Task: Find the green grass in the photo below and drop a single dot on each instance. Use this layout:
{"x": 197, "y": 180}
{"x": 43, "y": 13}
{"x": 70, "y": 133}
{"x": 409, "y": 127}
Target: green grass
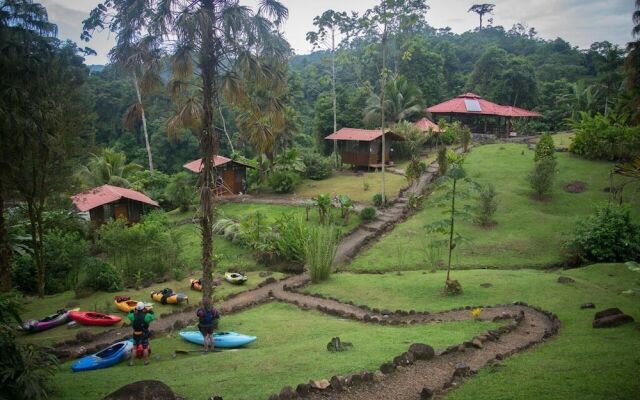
{"x": 581, "y": 362}
{"x": 291, "y": 348}
{"x": 353, "y": 186}
{"x": 103, "y": 302}
{"x": 529, "y": 233}
{"x": 562, "y": 140}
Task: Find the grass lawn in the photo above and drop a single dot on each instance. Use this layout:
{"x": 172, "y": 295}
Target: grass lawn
{"x": 103, "y": 302}
{"x": 529, "y": 233}
{"x": 352, "y": 185}
{"x": 562, "y": 140}
{"x": 581, "y": 362}
{"x": 291, "y": 348}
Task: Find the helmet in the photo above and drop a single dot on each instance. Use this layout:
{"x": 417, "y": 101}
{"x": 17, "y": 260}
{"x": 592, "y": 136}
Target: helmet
{"x": 140, "y": 306}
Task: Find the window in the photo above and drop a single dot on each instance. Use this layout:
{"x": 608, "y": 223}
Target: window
{"x": 472, "y": 105}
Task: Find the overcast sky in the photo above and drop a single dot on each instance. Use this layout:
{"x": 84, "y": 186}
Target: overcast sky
{"x": 581, "y": 22}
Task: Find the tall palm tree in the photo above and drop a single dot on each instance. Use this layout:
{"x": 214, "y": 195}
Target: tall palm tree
{"x": 402, "y": 100}
{"x": 218, "y": 46}
{"x": 632, "y": 66}
{"x": 481, "y": 10}
{"x": 108, "y": 167}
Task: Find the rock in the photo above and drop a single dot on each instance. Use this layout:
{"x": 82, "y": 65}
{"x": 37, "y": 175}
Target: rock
{"x": 367, "y": 318}
{"x": 270, "y": 280}
{"x": 426, "y": 393}
{"x": 607, "y": 313}
{"x": 404, "y": 359}
{"x": 462, "y": 370}
{"x": 452, "y": 287}
{"x": 303, "y": 389}
{"x": 143, "y": 390}
{"x": 387, "y": 368}
{"x": 366, "y": 376}
{"x": 320, "y": 384}
{"x": 612, "y": 321}
{"x": 216, "y": 397}
{"x": 421, "y": 351}
{"x": 485, "y": 285}
{"x": 337, "y": 383}
{"x": 84, "y": 336}
{"x": 587, "y": 305}
{"x": 378, "y": 376}
{"x": 476, "y": 343}
{"x": 565, "y": 280}
{"x": 287, "y": 393}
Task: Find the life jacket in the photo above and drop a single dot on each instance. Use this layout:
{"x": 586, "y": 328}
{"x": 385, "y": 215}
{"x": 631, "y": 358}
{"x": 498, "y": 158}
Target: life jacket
{"x": 208, "y": 316}
{"x": 166, "y": 293}
{"x": 140, "y": 327}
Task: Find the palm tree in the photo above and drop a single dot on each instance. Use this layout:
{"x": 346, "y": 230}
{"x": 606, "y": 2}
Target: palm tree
{"x": 632, "y": 66}
{"x": 402, "y": 100}
{"x": 218, "y": 46}
{"x": 109, "y": 167}
{"x": 481, "y": 10}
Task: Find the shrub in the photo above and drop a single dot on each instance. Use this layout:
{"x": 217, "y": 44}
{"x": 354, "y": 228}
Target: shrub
{"x": 323, "y": 202}
{"x": 463, "y": 134}
{"x": 101, "y": 276}
{"x": 153, "y": 183}
{"x": 346, "y": 204}
{"x": 545, "y": 147}
{"x": 443, "y": 161}
{"x": 255, "y": 231}
{"x": 368, "y": 213}
{"x": 283, "y": 181}
{"x": 320, "y": 250}
{"x": 377, "y": 199}
{"x": 290, "y": 237}
{"x": 487, "y": 205}
{"x": 605, "y": 138}
{"x": 541, "y": 178}
{"x": 608, "y": 236}
{"x": 181, "y": 190}
{"x": 415, "y": 169}
{"x": 64, "y": 255}
{"x": 317, "y": 166}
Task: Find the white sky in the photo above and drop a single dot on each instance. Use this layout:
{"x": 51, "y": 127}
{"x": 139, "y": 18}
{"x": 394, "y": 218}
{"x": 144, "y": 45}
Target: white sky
{"x": 581, "y": 22}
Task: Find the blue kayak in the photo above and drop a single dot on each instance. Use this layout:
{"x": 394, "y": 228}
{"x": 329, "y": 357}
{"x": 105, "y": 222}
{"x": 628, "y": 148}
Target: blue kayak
{"x": 227, "y": 340}
{"x": 104, "y": 358}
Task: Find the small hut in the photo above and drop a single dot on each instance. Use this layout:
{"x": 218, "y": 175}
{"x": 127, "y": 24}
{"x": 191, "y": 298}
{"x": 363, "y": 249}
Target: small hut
{"x": 426, "y": 125}
{"x": 363, "y": 147}
{"x": 231, "y": 174}
{"x": 480, "y": 115}
{"x": 111, "y": 202}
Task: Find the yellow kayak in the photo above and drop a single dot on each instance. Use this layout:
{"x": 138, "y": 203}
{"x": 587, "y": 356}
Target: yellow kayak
{"x": 166, "y": 296}
{"x": 235, "y": 278}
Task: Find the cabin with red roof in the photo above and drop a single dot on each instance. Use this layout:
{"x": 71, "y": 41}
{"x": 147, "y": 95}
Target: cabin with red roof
{"x": 480, "y": 115}
{"x": 108, "y": 202}
{"x": 363, "y": 147}
{"x": 231, "y": 175}
{"x": 426, "y": 125}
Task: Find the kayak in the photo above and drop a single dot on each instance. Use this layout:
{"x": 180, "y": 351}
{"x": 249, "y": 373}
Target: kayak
{"x": 167, "y": 296}
{"x": 50, "y": 321}
{"x": 94, "y": 318}
{"x": 235, "y": 278}
{"x": 128, "y": 305}
{"x": 105, "y": 358}
{"x": 196, "y": 285}
{"x": 227, "y": 340}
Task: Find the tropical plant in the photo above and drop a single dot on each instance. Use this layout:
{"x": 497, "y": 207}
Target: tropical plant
{"x": 229, "y": 228}
{"x": 631, "y": 171}
{"x": 289, "y": 161}
{"x": 443, "y": 161}
{"x": 283, "y": 181}
{"x": 378, "y": 200}
{"x": 402, "y": 100}
{"x": 255, "y": 231}
{"x": 290, "y": 238}
{"x": 323, "y": 202}
{"x": 481, "y": 10}
{"x": 108, "y": 167}
{"x": 100, "y": 275}
{"x": 317, "y": 167}
{"x": 605, "y": 137}
{"x": 545, "y": 148}
{"x": 542, "y": 176}
{"x": 231, "y": 51}
{"x": 181, "y": 190}
{"x": 320, "y": 251}
{"x": 415, "y": 169}
{"x": 346, "y": 204}
{"x": 487, "y": 205}
{"x": 367, "y": 213}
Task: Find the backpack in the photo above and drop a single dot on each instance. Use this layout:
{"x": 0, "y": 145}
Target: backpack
{"x": 139, "y": 325}
{"x": 208, "y": 317}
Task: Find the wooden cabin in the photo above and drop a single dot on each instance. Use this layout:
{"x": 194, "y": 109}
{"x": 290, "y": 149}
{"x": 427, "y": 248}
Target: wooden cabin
{"x": 108, "y": 202}
{"x": 363, "y": 147}
{"x": 231, "y": 174}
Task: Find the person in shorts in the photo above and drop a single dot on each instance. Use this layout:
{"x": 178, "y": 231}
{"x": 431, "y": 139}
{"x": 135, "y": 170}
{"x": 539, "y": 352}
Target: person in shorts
{"x": 208, "y": 318}
{"x": 140, "y": 318}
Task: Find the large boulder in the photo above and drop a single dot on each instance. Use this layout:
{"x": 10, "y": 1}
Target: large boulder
{"x": 421, "y": 351}
{"x": 143, "y": 390}
{"x": 612, "y": 321}
{"x": 608, "y": 312}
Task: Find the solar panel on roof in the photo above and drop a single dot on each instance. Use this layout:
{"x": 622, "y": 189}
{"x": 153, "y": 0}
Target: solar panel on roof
{"x": 472, "y": 105}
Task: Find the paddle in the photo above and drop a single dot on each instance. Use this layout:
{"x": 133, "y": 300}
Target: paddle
{"x": 215, "y": 350}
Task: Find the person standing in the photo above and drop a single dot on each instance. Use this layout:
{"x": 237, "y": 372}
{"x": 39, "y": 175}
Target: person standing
{"x": 140, "y": 318}
{"x": 208, "y": 318}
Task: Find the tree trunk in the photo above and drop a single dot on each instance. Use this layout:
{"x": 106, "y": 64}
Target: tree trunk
{"x": 333, "y": 92}
{"x": 144, "y": 121}
{"x": 480, "y": 22}
{"x": 453, "y": 212}
{"x": 224, "y": 127}
{"x": 208, "y": 147}
{"x": 5, "y": 249}
{"x": 37, "y": 247}
{"x": 382, "y": 97}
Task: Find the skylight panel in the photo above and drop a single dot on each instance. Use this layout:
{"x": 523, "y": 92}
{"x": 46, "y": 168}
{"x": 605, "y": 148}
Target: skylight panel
{"x": 472, "y": 105}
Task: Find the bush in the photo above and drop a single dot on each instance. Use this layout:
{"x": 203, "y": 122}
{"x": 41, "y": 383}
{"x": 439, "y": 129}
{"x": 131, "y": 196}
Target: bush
{"x": 545, "y": 147}
{"x": 317, "y": 166}
{"x": 180, "y": 190}
{"x": 415, "y": 169}
{"x": 283, "y": 181}
{"x": 378, "y": 200}
{"x": 604, "y": 138}
{"x": 368, "y": 213}
{"x": 443, "y": 161}
{"x": 541, "y": 178}
{"x": 320, "y": 250}
{"x": 290, "y": 237}
{"x": 487, "y": 205}
{"x": 608, "y": 236}
{"x": 153, "y": 183}
{"x": 101, "y": 276}
{"x": 64, "y": 255}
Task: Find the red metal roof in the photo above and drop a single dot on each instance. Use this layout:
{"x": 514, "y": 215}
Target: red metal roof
{"x": 425, "y": 124}
{"x": 471, "y": 103}
{"x": 105, "y": 194}
{"x": 364, "y": 135}
{"x": 196, "y": 165}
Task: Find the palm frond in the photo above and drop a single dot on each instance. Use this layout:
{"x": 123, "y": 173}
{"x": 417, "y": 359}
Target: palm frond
{"x": 132, "y": 116}
{"x": 274, "y": 10}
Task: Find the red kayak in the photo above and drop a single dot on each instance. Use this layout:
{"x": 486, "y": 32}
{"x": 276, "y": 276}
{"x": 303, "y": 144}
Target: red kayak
{"x": 93, "y": 318}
